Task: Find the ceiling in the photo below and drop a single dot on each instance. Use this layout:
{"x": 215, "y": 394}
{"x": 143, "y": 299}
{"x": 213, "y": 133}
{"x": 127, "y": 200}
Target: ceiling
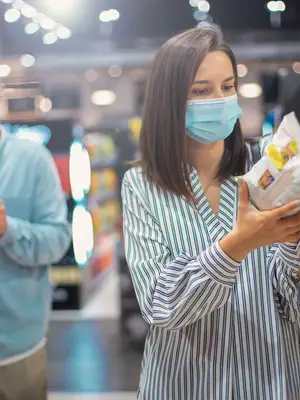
{"x": 140, "y": 20}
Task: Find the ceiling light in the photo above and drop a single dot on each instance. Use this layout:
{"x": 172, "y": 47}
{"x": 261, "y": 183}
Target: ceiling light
{"x": 204, "y": 6}
{"x": 28, "y": 11}
{"x": 63, "y": 32}
{"x": 103, "y": 97}
{"x": 5, "y": 70}
{"x": 45, "y": 105}
{"x": 18, "y": 4}
{"x": 27, "y": 60}
{"x": 38, "y": 17}
{"x": 82, "y": 234}
{"x": 31, "y": 28}
{"x": 60, "y": 6}
{"x": 50, "y": 38}
{"x": 250, "y": 90}
{"x": 296, "y": 67}
{"x": 114, "y": 14}
{"x": 12, "y": 15}
{"x": 47, "y": 23}
{"x": 242, "y": 70}
{"x": 276, "y": 6}
{"x": 115, "y": 71}
{"x": 91, "y": 75}
{"x": 7, "y": 1}
{"x": 281, "y": 7}
{"x": 272, "y": 6}
{"x": 109, "y": 15}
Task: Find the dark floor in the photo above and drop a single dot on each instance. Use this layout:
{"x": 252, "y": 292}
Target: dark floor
{"x": 91, "y": 356}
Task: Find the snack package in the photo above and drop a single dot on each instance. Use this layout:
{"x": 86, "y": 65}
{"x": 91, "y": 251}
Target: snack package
{"x": 275, "y": 179}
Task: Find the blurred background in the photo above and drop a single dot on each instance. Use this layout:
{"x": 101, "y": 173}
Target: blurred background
{"x": 74, "y": 75}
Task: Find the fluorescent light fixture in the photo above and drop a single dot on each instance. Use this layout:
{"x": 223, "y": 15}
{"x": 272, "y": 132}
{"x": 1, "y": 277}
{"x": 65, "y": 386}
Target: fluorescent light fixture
{"x": 276, "y": 6}
{"x": 115, "y": 71}
{"x": 50, "y": 38}
{"x": 12, "y": 15}
{"x": 203, "y": 6}
{"x": 83, "y": 235}
{"x": 60, "y": 7}
{"x": 80, "y": 171}
{"x": 103, "y": 97}
{"x": 31, "y": 28}
{"x": 109, "y": 15}
{"x": 27, "y": 60}
{"x": 47, "y": 23}
{"x": 5, "y": 70}
{"x": 250, "y": 90}
{"x": 242, "y": 70}
{"x": 18, "y": 4}
{"x": 45, "y": 105}
{"x": 28, "y": 11}
{"x": 63, "y": 32}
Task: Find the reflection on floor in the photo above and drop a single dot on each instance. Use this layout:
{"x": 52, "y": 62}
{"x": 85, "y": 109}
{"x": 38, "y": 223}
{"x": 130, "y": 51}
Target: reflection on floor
{"x": 88, "y": 358}
{"x": 91, "y": 357}
{"x": 112, "y": 396}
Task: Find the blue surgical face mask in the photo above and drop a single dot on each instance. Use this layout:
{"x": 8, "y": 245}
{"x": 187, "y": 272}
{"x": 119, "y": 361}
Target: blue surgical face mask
{"x": 210, "y": 121}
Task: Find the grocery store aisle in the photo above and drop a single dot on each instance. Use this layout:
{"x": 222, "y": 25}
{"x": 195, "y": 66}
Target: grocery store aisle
{"x": 88, "y": 358}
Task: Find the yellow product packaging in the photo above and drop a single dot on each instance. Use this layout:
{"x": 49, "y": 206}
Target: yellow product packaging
{"x": 275, "y": 179}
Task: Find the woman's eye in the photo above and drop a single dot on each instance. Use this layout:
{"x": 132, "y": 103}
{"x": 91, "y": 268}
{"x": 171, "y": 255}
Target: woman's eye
{"x": 228, "y": 88}
{"x": 199, "y": 92}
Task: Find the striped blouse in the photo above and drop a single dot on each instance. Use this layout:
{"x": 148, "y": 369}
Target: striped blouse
{"x": 219, "y": 330}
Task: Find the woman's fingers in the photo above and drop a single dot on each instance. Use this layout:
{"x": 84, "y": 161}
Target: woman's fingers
{"x": 243, "y": 195}
{"x": 294, "y": 238}
{"x": 283, "y": 211}
{"x": 291, "y": 224}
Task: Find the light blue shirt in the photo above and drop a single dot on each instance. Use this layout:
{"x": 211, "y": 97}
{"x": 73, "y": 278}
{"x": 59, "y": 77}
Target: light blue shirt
{"x": 38, "y": 234}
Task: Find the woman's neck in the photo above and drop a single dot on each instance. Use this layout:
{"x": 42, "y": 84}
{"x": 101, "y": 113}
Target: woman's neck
{"x": 205, "y": 157}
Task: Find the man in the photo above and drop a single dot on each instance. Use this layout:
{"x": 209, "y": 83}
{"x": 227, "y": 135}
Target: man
{"x": 33, "y": 234}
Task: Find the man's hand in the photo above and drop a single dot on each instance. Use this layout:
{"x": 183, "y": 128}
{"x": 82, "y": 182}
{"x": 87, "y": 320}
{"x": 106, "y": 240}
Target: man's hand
{"x": 3, "y": 219}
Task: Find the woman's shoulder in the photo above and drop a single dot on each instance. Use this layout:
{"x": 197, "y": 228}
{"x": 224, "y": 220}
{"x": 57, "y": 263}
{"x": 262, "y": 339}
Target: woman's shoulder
{"x": 133, "y": 177}
{"x": 135, "y": 183}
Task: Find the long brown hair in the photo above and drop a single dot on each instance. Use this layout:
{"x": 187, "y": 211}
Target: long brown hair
{"x": 163, "y": 141}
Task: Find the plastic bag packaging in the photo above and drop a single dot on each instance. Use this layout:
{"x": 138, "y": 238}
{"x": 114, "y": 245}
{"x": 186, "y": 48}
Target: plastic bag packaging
{"x": 275, "y": 179}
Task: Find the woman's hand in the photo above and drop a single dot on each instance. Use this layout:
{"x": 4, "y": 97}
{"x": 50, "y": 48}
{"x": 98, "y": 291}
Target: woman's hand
{"x": 256, "y": 229}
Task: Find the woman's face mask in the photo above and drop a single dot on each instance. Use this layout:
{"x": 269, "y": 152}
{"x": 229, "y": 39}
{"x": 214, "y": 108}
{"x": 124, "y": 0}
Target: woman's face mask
{"x": 210, "y": 121}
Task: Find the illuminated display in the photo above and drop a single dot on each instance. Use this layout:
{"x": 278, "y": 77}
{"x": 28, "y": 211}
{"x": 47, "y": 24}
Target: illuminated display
{"x": 83, "y": 235}
{"x": 80, "y": 171}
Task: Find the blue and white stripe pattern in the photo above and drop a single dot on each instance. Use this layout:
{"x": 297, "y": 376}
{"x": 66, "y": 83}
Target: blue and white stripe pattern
{"x": 219, "y": 330}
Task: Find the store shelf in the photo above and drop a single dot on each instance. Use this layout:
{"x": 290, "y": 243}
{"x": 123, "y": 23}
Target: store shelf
{"x": 100, "y": 164}
{"x": 102, "y": 198}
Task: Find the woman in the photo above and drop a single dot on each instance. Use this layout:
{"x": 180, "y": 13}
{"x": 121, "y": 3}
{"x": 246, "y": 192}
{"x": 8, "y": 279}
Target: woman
{"x": 222, "y": 299}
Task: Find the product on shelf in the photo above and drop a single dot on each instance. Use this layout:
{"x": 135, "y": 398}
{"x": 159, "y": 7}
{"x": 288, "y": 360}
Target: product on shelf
{"x": 101, "y": 148}
{"x": 103, "y": 203}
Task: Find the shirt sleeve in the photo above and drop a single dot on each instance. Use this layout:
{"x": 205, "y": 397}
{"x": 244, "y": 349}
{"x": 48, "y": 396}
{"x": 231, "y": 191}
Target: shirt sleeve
{"x": 284, "y": 263}
{"x": 172, "y": 292}
{"x": 46, "y": 238}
